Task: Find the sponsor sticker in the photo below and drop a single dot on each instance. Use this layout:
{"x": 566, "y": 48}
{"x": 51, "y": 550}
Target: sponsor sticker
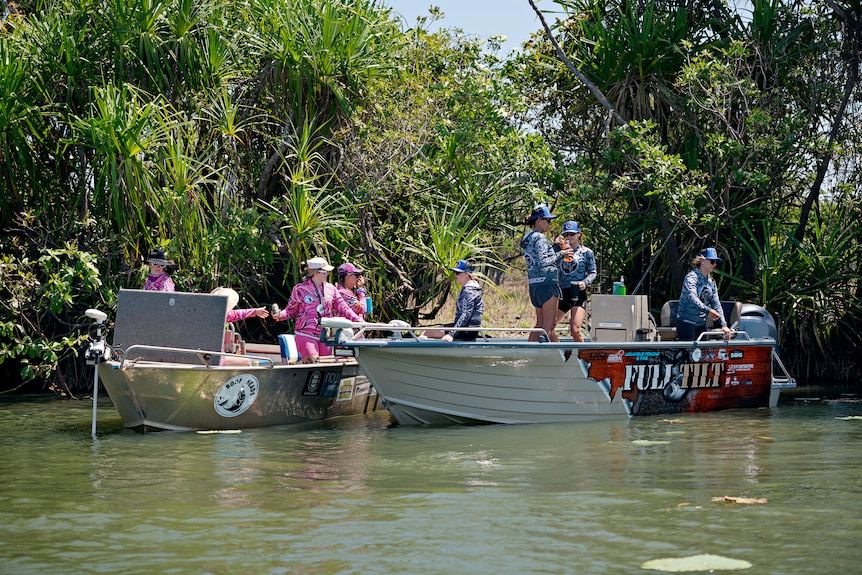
{"x": 236, "y": 395}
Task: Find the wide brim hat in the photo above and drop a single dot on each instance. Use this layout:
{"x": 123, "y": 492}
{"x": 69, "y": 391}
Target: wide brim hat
{"x": 319, "y": 264}
{"x": 462, "y": 266}
{"x": 158, "y": 258}
{"x": 710, "y": 254}
{"x": 232, "y": 296}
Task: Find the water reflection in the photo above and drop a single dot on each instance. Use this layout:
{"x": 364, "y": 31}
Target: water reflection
{"x": 357, "y": 495}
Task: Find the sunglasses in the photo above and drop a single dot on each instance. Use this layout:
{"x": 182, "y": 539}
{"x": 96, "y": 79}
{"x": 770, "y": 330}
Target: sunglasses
{"x": 714, "y": 262}
{"x": 569, "y": 234}
{"x": 355, "y": 274}
{"x": 322, "y": 272}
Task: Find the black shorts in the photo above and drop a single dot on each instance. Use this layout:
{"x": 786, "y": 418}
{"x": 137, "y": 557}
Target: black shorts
{"x": 572, "y": 297}
{"x": 541, "y": 293}
{"x": 463, "y": 335}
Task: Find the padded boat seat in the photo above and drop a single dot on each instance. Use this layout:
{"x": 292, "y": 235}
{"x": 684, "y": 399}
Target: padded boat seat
{"x": 667, "y": 330}
{"x": 732, "y": 313}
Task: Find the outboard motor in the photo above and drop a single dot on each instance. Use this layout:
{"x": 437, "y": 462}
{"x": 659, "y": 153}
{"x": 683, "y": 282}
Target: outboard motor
{"x": 757, "y": 322}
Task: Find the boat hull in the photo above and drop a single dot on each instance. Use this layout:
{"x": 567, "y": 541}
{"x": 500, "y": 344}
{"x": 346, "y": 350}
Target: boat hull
{"x": 498, "y": 381}
{"x": 158, "y": 396}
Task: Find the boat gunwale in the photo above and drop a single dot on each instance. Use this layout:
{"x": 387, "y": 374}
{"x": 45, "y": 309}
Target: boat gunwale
{"x": 521, "y": 343}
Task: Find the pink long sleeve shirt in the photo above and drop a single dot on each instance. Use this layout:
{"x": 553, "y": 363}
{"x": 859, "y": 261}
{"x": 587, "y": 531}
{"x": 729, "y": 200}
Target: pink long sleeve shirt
{"x": 240, "y": 314}
{"x": 161, "y": 282}
{"x": 351, "y": 298}
{"x": 308, "y": 303}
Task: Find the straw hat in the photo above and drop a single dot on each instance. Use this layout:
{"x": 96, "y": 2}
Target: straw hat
{"x": 232, "y": 296}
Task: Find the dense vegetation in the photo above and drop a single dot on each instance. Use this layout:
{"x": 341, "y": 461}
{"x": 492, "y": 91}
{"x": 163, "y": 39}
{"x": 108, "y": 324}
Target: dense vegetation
{"x": 244, "y": 137}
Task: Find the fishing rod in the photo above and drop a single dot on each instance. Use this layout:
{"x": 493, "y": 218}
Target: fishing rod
{"x": 655, "y": 258}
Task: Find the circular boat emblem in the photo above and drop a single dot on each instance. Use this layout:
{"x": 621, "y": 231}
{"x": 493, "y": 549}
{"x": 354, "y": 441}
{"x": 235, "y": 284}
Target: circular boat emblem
{"x": 236, "y": 395}
{"x": 696, "y": 354}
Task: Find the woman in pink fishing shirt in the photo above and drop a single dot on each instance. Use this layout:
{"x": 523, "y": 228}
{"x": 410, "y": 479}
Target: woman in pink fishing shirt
{"x": 311, "y": 300}
{"x": 238, "y": 314}
{"x": 351, "y": 287}
{"x": 158, "y": 279}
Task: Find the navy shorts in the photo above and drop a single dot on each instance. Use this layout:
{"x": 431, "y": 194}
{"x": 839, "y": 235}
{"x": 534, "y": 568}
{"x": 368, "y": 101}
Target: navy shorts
{"x": 541, "y": 293}
{"x": 572, "y": 297}
{"x": 685, "y": 330}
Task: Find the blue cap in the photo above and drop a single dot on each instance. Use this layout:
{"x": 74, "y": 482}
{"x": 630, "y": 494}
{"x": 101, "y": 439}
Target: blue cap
{"x": 541, "y": 211}
{"x": 462, "y": 266}
{"x": 710, "y": 254}
{"x": 571, "y": 227}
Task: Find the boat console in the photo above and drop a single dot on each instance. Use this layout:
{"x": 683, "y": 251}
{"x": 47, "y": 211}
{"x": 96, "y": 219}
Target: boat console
{"x": 181, "y": 320}
{"x": 621, "y": 318}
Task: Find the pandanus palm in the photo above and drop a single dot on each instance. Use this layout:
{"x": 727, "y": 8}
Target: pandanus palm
{"x": 316, "y": 58}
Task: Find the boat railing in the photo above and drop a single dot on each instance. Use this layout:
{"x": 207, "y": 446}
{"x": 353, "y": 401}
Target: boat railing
{"x": 204, "y": 357}
{"x": 783, "y": 379}
{"x": 402, "y": 328}
{"x": 719, "y": 334}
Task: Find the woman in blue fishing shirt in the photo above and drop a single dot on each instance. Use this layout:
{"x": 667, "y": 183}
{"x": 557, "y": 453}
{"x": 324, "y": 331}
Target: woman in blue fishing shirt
{"x": 542, "y": 273}
{"x": 576, "y": 273}
{"x": 468, "y": 308}
{"x": 699, "y": 298}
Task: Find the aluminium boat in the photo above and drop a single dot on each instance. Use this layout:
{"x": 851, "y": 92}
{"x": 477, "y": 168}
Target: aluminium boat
{"x": 169, "y": 368}
{"x": 625, "y": 370}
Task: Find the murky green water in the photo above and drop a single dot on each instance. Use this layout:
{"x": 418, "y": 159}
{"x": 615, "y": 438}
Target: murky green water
{"x": 359, "y": 496}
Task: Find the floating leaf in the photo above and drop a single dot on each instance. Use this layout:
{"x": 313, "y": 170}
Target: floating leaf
{"x": 672, "y": 420}
{"x": 849, "y": 417}
{"x": 649, "y": 442}
{"x": 696, "y": 563}
{"x": 745, "y": 500}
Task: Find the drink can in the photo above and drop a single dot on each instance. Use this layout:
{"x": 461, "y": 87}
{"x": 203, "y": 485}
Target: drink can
{"x": 368, "y": 305}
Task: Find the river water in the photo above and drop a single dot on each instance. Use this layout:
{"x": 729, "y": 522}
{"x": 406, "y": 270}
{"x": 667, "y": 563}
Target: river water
{"x": 360, "y": 495}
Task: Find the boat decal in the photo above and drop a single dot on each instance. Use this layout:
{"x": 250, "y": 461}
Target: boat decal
{"x": 679, "y": 380}
{"x": 362, "y": 389}
{"x": 322, "y": 382}
{"x": 345, "y": 389}
{"x": 236, "y": 395}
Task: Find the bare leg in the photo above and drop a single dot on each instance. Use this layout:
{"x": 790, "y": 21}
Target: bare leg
{"x": 534, "y": 336}
{"x": 577, "y": 321}
{"x": 549, "y": 317}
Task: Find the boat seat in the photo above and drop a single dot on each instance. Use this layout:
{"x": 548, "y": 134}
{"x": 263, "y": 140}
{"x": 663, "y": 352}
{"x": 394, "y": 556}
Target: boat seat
{"x": 666, "y": 331}
{"x": 732, "y": 313}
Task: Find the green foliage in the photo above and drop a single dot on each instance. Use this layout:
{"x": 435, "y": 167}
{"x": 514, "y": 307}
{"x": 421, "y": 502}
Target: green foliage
{"x": 809, "y": 287}
{"x": 244, "y": 137}
{"x": 33, "y": 293}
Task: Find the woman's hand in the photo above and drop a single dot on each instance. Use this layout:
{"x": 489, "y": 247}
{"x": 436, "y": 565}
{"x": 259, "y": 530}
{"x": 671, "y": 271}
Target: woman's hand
{"x": 261, "y": 312}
